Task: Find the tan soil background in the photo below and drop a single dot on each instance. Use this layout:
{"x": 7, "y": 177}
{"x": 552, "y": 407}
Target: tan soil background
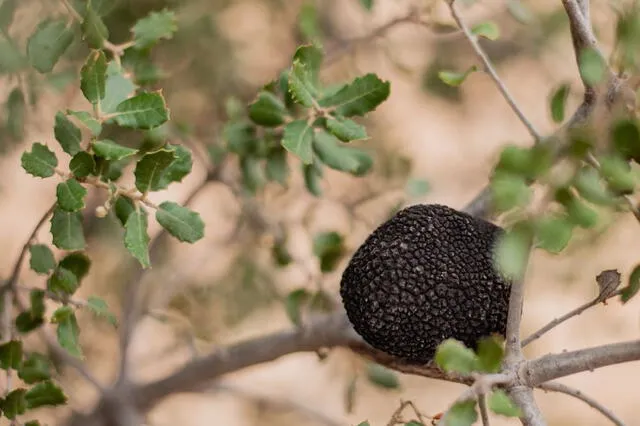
{"x": 453, "y": 146}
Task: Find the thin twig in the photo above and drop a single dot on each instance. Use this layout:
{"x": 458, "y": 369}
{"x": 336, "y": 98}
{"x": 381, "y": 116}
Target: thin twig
{"x": 484, "y": 413}
{"x": 491, "y": 71}
{"x": 576, "y": 393}
{"x": 557, "y": 321}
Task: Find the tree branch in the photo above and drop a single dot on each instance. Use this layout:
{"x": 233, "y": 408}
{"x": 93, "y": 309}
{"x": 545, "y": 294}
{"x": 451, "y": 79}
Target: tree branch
{"x": 576, "y": 393}
{"x": 557, "y": 321}
{"x": 491, "y": 71}
{"x": 523, "y": 397}
{"x": 553, "y": 366}
{"x": 326, "y": 332}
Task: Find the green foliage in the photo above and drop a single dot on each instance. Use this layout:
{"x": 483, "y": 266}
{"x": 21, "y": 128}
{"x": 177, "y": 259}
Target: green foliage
{"x": 633, "y": 287}
{"x": 47, "y": 44}
{"x": 500, "y": 403}
{"x": 44, "y": 393}
{"x": 294, "y": 303}
{"x": 11, "y": 355}
{"x": 452, "y": 355}
{"x": 558, "y": 102}
{"x": 461, "y": 414}
{"x": 151, "y": 29}
{"x": 35, "y": 368}
{"x": 42, "y": 260}
{"x": 488, "y": 30}
{"x": 100, "y": 308}
{"x": 70, "y": 195}
{"x": 67, "y": 134}
{"x": 143, "y": 111}
{"x": 592, "y": 66}
{"x": 68, "y": 331}
{"x": 298, "y": 139}
{"x": 136, "y": 237}
{"x": 329, "y": 248}
{"x": 454, "y": 78}
{"x": 40, "y": 162}
{"x": 382, "y": 376}
{"x": 93, "y": 77}
{"x": 182, "y": 223}
{"x": 512, "y": 251}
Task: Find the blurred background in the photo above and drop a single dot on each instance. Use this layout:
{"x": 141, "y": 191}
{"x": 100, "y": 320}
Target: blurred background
{"x": 431, "y": 143}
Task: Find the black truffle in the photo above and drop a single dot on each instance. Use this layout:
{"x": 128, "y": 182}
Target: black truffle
{"x": 426, "y": 275}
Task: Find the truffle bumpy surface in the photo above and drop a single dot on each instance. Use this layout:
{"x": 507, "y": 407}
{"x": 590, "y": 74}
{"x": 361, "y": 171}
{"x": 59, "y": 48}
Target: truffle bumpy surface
{"x": 426, "y": 275}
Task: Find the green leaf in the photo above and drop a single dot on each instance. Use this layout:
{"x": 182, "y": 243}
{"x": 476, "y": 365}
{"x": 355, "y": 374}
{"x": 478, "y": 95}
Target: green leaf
{"x": 179, "y": 168}
{"x": 82, "y": 164}
{"x": 634, "y": 285}
{"x": 14, "y": 404}
{"x": 490, "y": 353}
{"x": 93, "y": 77}
{"x": 123, "y": 208}
{"x": 619, "y": 175}
{"x": 67, "y": 134}
{"x": 519, "y": 11}
{"x": 361, "y": 96}
{"x": 88, "y": 120}
{"x": 15, "y": 108}
{"x": 454, "y": 78}
{"x": 339, "y": 157}
{"x": 590, "y": 187}
{"x": 66, "y": 229}
{"x": 252, "y": 173}
{"x": 417, "y": 187}
{"x": 553, "y": 233}
{"x": 461, "y": 414}
{"x": 48, "y": 43}
{"x": 452, "y": 355}
{"x": 42, "y": 260}
{"x": 267, "y": 110}
{"x": 509, "y": 191}
{"x": 240, "y": 137}
{"x": 592, "y": 66}
{"x": 68, "y": 332}
{"x": 144, "y": 111}
{"x": 308, "y": 23}
{"x": 11, "y": 59}
{"x": 26, "y": 322}
{"x": 100, "y": 308}
{"x": 78, "y": 263}
{"x": 312, "y": 177}
{"x": 136, "y": 237}
{"x": 43, "y": 394}
{"x": 182, "y": 223}
{"x": 500, "y": 403}
{"x": 382, "y": 376}
{"x": 7, "y": 10}
{"x": 558, "y": 102}
{"x": 118, "y": 88}
{"x": 626, "y": 138}
{"x": 40, "y": 162}
{"x": 110, "y": 150}
{"x": 153, "y": 27}
{"x": 301, "y": 85}
{"x": 36, "y": 298}
{"x": 310, "y": 56}
{"x": 293, "y": 304}
{"x": 578, "y": 211}
{"x": 150, "y": 169}
{"x": 346, "y": 130}
{"x": 529, "y": 163}
{"x": 329, "y": 248}
{"x": 277, "y": 168}
{"x": 70, "y": 195}
{"x": 63, "y": 282}
{"x": 35, "y": 368}
{"x": 298, "y": 139}
{"x": 512, "y": 251}
{"x": 33, "y": 423}
{"x": 488, "y": 30}
{"x": 11, "y": 355}
{"x": 280, "y": 254}
{"x": 367, "y": 4}
{"x": 94, "y": 31}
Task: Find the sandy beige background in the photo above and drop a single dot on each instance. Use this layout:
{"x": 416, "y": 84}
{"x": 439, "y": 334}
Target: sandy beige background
{"x": 453, "y": 146}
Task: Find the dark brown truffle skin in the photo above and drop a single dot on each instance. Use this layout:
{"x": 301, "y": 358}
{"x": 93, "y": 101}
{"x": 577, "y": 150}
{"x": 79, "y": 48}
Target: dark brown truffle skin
{"x": 426, "y": 275}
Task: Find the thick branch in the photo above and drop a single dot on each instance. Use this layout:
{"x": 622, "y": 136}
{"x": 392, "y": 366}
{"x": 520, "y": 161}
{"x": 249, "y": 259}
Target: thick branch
{"x": 523, "y": 397}
{"x": 554, "y": 366}
{"x": 329, "y": 331}
{"x": 576, "y": 393}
